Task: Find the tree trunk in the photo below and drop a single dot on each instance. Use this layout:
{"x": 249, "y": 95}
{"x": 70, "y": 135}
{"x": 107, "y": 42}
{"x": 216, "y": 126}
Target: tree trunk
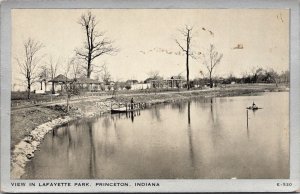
{"x": 189, "y": 112}
{"x": 68, "y": 98}
{"x": 187, "y": 71}
{"x": 187, "y": 60}
{"x": 45, "y": 86}
{"x": 210, "y": 81}
{"x": 53, "y": 89}
{"x": 28, "y": 91}
{"x": 276, "y": 83}
{"x": 89, "y": 66}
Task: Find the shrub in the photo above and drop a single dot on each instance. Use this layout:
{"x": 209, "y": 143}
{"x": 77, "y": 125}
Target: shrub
{"x": 128, "y": 87}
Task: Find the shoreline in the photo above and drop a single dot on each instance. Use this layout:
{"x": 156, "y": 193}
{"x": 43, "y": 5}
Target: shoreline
{"x": 24, "y": 150}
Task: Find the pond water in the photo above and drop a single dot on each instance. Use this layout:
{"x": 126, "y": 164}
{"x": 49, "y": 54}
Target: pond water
{"x": 199, "y": 139}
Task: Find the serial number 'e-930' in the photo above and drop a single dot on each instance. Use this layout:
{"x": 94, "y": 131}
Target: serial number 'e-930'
{"x": 284, "y": 184}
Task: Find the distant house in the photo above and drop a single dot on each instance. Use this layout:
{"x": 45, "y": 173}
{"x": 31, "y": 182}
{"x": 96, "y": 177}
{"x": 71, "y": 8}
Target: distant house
{"x": 132, "y": 82}
{"x": 88, "y": 83}
{"x": 175, "y": 82}
{"x": 107, "y": 85}
{"x": 176, "y": 77}
{"x": 135, "y": 85}
{"x": 148, "y": 80}
{"x": 155, "y": 82}
{"x": 112, "y": 83}
{"x": 140, "y": 86}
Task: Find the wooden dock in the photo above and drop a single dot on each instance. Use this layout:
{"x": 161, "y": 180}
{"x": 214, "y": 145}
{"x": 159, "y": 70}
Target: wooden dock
{"x": 126, "y": 107}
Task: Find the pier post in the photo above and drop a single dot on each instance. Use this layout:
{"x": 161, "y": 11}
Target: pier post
{"x": 247, "y": 118}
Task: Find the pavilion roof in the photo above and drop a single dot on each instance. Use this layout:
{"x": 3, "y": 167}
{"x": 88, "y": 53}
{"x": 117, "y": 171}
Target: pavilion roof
{"x": 84, "y": 80}
{"x": 60, "y": 78}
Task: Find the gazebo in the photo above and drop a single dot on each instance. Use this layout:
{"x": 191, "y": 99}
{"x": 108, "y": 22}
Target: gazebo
{"x": 60, "y": 79}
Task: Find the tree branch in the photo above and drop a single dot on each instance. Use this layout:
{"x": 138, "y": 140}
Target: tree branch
{"x": 180, "y": 45}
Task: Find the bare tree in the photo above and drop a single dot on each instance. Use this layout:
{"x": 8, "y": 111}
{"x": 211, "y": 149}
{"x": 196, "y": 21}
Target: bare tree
{"x": 273, "y": 76}
{"x": 53, "y": 67}
{"x": 105, "y": 75}
{"x": 158, "y": 80}
{"x": 29, "y": 62}
{"x": 186, "y": 49}
{"x": 285, "y": 76}
{"x": 69, "y": 85}
{"x": 75, "y": 67}
{"x": 95, "y": 45}
{"x": 213, "y": 60}
{"x": 154, "y": 75}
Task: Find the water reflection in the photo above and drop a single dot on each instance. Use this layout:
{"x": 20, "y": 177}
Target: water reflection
{"x": 211, "y": 110}
{"x": 199, "y": 138}
{"x": 190, "y": 135}
{"x": 131, "y": 115}
{"x": 247, "y": 122}
{"x": 180, "y": 106}
{"x": 155, "y": 113}
{"x": 92, "y": 168}
{"x": 106, "y": 123}
{"x": 250, "y": 115}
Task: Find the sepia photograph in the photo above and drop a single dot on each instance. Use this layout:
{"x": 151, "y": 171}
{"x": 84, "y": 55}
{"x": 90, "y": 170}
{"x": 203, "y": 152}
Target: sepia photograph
{"x": 135, "y": 94}
{"x": 148, "y": 95}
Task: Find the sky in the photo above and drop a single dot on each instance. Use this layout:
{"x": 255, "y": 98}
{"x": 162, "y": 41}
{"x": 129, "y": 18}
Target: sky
{"x": 145, "y": 38}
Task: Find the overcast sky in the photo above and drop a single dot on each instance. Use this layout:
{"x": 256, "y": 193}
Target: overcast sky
{"x": 146, "y": 38}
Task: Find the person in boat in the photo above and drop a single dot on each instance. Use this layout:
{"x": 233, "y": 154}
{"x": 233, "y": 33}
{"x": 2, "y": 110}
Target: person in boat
{"x": 132, "y": 102}
{"x": 254, "y": 105}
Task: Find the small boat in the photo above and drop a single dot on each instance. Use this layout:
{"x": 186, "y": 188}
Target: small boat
{"x": 128, "y": 107}
{"x": 253, "y": 108}
{"x": 122, "y": 110}
{"x": 114, "y": 111}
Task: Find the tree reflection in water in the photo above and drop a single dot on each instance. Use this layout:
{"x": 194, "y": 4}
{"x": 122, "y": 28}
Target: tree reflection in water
{"x": 216, "y": 131}
{"x": 190, "y": 135}
{"x": 92, "y": 168}
{"x": 132, "y": 117}
{"x": 155, "y": 113}
{"x": 212, "y": 111}
{"x": 180, "y": 105}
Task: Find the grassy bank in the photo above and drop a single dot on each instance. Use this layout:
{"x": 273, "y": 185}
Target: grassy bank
{"x": 23, "y": 121}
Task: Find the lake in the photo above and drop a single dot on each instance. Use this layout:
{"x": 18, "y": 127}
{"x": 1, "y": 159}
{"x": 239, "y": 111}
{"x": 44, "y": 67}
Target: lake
{"x": 200, "y": 138}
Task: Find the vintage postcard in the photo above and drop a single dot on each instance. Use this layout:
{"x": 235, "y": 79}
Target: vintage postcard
{"x": 149, "y": 96}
